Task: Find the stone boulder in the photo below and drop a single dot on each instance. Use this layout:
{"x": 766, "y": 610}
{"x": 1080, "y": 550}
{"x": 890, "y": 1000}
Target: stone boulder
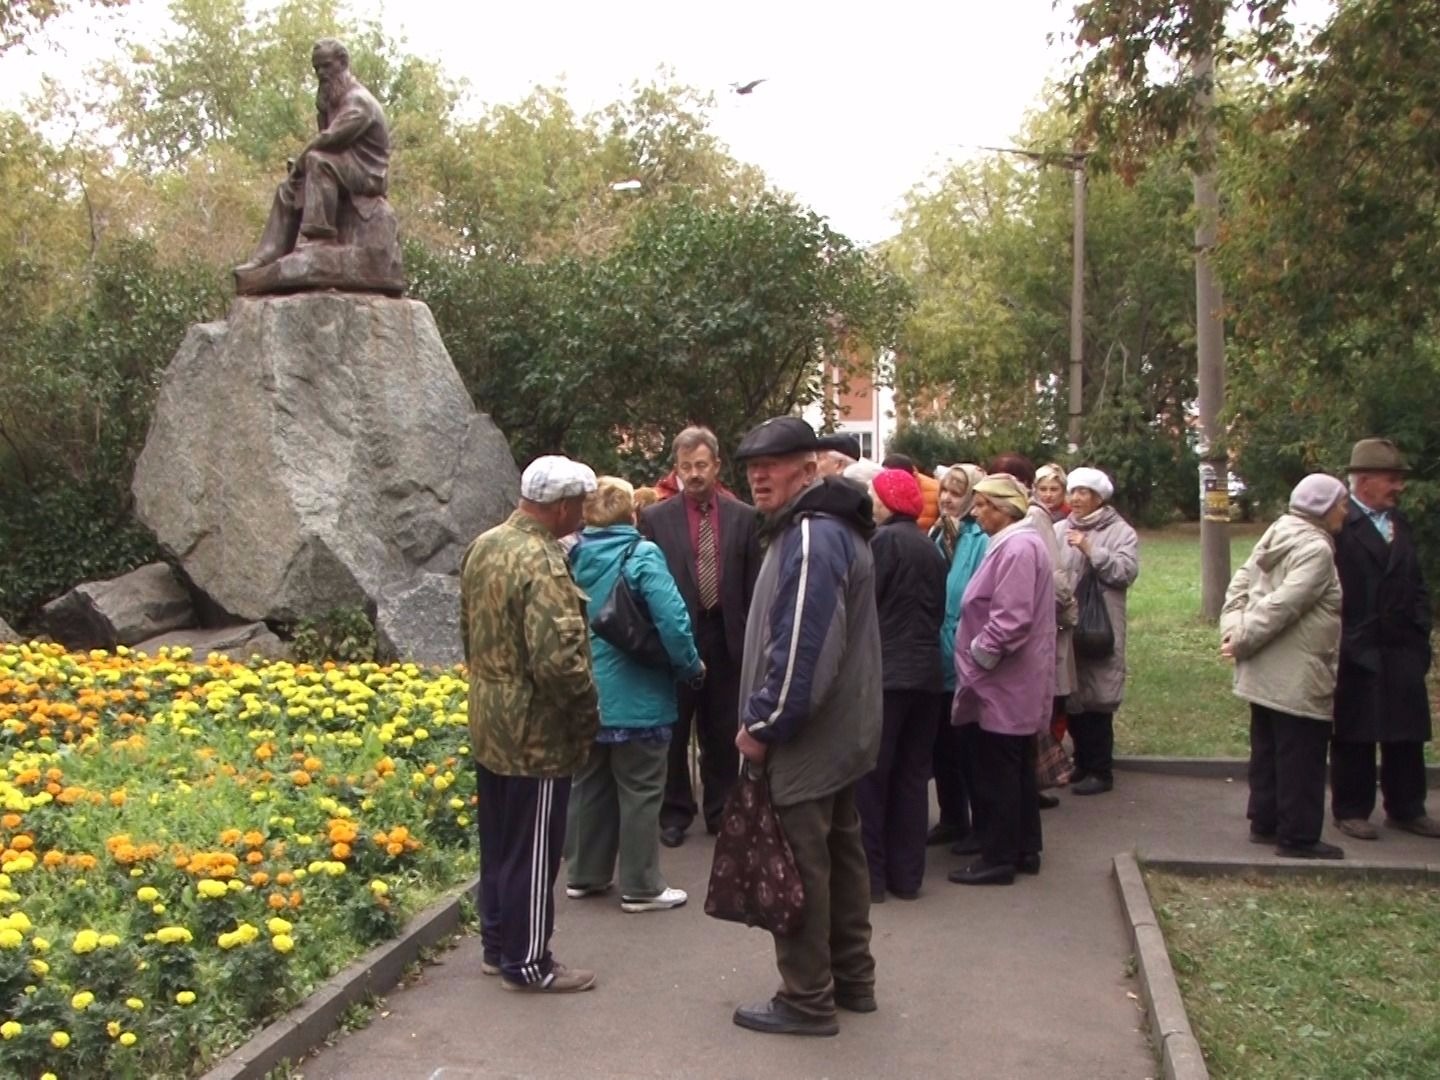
{"x": 239, "y": 642}
{"x": 122, "y": 611}
{"x": 420, "y": 621}
{"x": 6, "y": 633}
{"x": 314, "y": 450}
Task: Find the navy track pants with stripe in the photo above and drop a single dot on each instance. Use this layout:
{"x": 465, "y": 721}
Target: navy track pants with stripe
{"x": 522, "y": 833}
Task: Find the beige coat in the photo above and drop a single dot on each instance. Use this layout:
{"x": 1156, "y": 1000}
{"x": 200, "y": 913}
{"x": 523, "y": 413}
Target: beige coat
{"x": 1282, "y": 615}
{"x": 1115, "y": 560}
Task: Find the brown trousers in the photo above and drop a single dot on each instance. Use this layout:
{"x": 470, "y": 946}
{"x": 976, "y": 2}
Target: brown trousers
{"x": 832, "y": 949}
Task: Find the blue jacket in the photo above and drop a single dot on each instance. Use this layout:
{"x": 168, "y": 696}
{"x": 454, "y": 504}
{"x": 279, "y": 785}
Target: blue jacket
{"x": 633, "y": 695}
{"x": 970, "y": 547}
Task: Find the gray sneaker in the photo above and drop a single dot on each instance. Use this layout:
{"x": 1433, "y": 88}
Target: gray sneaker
{"x": 1424, "y": 825}
{"x": 561, "y": 980}
{"x": 1358, "y": 828}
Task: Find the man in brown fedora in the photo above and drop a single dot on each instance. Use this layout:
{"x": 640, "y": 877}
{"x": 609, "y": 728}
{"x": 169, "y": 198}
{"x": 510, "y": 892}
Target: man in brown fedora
{"x": 1384, "y": 655}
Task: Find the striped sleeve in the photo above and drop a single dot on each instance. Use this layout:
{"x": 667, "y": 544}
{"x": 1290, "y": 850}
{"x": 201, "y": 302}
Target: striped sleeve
{"x": 809, "y": 604}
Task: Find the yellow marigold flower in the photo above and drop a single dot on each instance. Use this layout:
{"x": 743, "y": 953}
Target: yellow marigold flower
{"x": 283, "y": 943}
{"x": 158, "y": 909}
{"x": 10, "y": 1029}
{"x": 147, "y": 894}
{"x": 82, "y": 1001}
{"x": 10, "y": 938}
{"x": 40, "y": 944}
{"x": 59, "y": 1040}
{"x": 379, "y": 888}
{"x": 134, "y": 1003}
{"x": 211, "y": 888}
{"x": 185, "y": 997}
{"x": 279, "y": 926}
{"x": 127, "y": 1038}
{"x": 18, "y": 921}
{"x": 113, "y": 1028}
{"x": 39, "y": 967}
{"x": 109, "y": 941}
{"x": 48, "y": 1076}
{"x": 171, "y": 935}
{"x": 85, "y": 942}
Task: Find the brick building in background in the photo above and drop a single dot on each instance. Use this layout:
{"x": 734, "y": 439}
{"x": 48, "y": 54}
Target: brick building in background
{"x": 860, "y": 407}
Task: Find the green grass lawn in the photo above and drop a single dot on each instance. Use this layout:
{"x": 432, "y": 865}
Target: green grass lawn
{"x": 1178, "y": 700}
{"x": 1287, "y": 978}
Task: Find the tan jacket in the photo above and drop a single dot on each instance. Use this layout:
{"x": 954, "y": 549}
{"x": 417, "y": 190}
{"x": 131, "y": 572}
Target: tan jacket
{"x": 1282, "y": 615}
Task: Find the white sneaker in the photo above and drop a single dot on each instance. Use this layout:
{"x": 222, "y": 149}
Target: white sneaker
{"x": 670, "y": 898}
{"x": 579, "y": 892}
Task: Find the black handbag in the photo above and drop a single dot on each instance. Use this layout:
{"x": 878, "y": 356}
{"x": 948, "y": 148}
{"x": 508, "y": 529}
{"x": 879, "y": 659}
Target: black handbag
{"x": 624, "y": 621}
{"x": 1094, "y": 637}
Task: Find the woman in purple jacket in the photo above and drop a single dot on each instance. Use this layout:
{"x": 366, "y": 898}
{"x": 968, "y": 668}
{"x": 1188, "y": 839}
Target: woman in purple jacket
{"x": 1005, "y": 673}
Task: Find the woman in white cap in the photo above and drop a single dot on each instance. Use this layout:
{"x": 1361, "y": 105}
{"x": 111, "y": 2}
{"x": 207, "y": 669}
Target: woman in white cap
{"x": 1098, "y": 551}
{"x": 1281, "y": 626}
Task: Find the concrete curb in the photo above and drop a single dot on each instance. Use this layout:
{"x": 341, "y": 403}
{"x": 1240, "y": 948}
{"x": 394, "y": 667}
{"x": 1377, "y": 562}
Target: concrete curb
{"x": 1213, "y": 768}
{"x": 307, "y": 1025}
{"x": 1180, "y": 1057}
{"x": 1339, "y": 870}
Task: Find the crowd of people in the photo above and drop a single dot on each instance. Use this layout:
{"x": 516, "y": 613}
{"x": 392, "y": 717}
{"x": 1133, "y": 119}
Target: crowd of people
{"x": 862, "y": 629}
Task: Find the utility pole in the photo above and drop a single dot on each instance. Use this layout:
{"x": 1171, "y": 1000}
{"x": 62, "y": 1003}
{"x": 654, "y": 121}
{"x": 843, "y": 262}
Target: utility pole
{"x": 1077, "y": 306}
{"x": 1210, "y": 357}
{"x": 1075, "y": 162}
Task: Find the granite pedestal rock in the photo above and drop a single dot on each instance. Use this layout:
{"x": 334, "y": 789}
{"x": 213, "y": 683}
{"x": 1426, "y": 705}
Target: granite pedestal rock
{"x": 316, "y": 451}
{"x": 122, "y": 611}
{"x": 420, "y": 620}
{"x": 239, "y": 642}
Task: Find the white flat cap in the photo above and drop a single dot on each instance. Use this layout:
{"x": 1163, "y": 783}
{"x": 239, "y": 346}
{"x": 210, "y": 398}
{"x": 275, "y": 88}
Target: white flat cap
{"x": 554, "y": 477}
{"x": 1093, "y": 479}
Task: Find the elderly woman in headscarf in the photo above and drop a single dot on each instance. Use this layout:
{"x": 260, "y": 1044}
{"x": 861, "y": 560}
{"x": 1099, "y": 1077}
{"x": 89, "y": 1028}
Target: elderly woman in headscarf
{"x": 1100, "y": 557}
{"x": 963, "y": 543}
{"x": 1281, "y": 626}
{"x": 1004, "y": 665}
{"x": 1050, "y": 491}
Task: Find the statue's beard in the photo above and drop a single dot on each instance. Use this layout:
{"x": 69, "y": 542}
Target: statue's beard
{"x": 332, "y": 92}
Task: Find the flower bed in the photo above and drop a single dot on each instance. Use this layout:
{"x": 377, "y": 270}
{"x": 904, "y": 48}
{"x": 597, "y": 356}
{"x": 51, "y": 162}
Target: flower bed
{"x": 186, "y": 849}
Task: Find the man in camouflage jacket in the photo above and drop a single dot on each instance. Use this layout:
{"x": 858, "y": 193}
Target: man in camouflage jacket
{"x": 533, "y": 715}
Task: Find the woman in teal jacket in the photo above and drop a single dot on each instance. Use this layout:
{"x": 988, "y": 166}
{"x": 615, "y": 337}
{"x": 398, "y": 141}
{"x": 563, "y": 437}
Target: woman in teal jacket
{"x": 963, "y": 543}
{"x": 615, "y": 798}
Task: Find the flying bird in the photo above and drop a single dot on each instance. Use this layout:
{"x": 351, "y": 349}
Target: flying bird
{"x": 748, "y": 87}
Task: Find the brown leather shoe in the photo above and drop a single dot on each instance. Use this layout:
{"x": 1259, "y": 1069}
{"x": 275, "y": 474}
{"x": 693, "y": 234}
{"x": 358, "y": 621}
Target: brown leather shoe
{"x": 561, "y": 980}
{"x": 1424, "y": 825}
{"x": 1359, "y": 828}
{"x": 774, "y": 1017}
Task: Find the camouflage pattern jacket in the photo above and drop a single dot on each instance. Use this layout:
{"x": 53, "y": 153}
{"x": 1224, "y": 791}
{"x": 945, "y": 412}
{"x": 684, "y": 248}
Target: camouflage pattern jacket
{"x": 533, "y": 706}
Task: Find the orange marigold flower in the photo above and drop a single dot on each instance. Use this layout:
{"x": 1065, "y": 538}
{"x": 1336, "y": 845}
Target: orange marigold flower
{"x": 52, "y": 859}
{"x": 314, "y": 764}
{"x": 295, "y": 900}
{"x": 340, "y": 851}
{"x": 394, "y": 849}
{"x": 259, "y": 879}
{"x": 11, "y": 821}
{"x": 23, "y": 842}
{"x": 285, "y": 877}
{"x": 230, "y": 836}
{"x": 254, "y": 839}
{"x": 254, "y": 857}
{"x": 117, "y": 798}
{"x": 300, "y": 778}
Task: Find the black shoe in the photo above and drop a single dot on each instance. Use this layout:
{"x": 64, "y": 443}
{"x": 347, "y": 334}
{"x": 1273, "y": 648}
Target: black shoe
{"x": 1318, "y": 850}
{"x": 1093, "y": 784}
{"x": 943, "y": 833}
{"x": 774, "y": 1017}
{"x": 968, "y": 845}
{"x": 1029, "y": 863}
{"x": 905, "y": 894}
{"x": 877, "y": 896}
{"x": 981, "y": 872}
{"x": 1257, "y": 836}
{"x": 856, "y": 1001}
{"x": 1047, "y": 802}
{"x": 672, "y": 836}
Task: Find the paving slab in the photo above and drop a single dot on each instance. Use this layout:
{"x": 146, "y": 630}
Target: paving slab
{"x": 1026, "y": 981}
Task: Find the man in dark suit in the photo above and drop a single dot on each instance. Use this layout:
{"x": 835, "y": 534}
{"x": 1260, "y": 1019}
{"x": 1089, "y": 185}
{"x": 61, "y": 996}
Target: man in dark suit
{"x": 1380, "y": 696}
{"x": 712, "y": 546}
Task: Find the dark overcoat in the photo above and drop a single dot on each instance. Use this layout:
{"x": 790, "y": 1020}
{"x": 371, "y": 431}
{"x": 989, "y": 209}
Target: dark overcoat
{"x": 1380, "y": 695}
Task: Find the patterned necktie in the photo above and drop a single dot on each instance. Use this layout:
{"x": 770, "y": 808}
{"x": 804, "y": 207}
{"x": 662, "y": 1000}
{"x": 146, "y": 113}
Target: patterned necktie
{"x": 707, "y": 572}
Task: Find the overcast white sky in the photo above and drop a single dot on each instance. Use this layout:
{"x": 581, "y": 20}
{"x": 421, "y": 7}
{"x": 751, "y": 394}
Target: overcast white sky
{"x": 861, "y": 102}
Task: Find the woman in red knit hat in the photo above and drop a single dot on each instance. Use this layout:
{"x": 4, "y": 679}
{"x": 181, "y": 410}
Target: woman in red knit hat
{"x": 894, "y": 799}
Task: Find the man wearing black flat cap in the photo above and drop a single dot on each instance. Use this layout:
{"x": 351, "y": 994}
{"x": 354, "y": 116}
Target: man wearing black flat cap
{"x": 810, "y": 714}
{"x": 1380, "y": 695}
{"x": 836, "y": 452}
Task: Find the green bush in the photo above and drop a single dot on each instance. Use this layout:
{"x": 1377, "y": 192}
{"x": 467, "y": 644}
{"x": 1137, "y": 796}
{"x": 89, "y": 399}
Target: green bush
{"x": 344, "y": 635}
